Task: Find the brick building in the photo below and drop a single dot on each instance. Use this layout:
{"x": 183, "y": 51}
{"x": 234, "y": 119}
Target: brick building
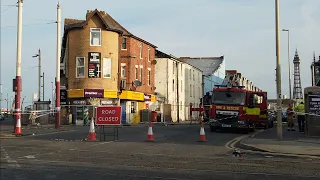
{"x": 99, "y": 58}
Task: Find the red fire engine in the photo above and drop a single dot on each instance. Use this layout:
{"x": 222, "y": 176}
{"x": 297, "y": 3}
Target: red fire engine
{"x": 235, "y": 107}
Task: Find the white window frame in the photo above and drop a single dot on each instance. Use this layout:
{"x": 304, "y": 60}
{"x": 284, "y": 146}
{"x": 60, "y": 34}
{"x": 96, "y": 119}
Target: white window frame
{"x": 141, "y": 74}
{"x": 140, "y": 50}
{"x": 148, "y": 53}
{"x": 77, "y": 66}
{"x": 106, "y": 69}
{"x": 172, "y": 84}
{"x": 125, "y": 43}
{"x": 91, "y": 30}
{"x": 123, "y": 70}
{"x": 136, "y": 73}
{"x": 123, "y": 83}
{"x": 148, "y": 77}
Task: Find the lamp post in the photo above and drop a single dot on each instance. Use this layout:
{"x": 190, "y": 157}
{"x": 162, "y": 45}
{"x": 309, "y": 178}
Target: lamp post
{"x": 290, "y": 87}
{"x": 18, "y": 67}
{"x": 278, "y": 71}
{"x": 39, "y": 72}
{"x": 57, "y": 118}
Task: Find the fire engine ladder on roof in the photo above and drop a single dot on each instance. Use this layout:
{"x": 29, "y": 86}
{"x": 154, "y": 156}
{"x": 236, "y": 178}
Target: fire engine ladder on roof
{"x": 231, "y": 80}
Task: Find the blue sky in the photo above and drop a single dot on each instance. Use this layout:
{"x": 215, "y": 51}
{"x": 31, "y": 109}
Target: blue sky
{"x": 242, "y": 30}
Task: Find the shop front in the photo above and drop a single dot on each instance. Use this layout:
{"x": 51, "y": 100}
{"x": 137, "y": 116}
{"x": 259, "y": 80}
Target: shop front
{"x": 148, "y": 112}
{"x": 83, "y": 101}
{"x": 130, "y": 102}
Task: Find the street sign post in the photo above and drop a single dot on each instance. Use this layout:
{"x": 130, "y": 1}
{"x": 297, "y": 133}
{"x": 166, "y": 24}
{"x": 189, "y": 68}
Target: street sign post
{"x": 108, "y": 116}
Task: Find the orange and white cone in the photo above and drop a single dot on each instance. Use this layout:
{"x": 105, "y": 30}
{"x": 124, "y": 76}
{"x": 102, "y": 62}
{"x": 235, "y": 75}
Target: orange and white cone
{"x": 18, "y": 128}
{"x": 150, "y": 133}
{"x": 92, "y": 133}
{"x": 202, "y": 134}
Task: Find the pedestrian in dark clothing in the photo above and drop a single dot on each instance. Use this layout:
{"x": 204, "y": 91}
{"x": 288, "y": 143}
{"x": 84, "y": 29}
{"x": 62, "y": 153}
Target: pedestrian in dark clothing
{"x": 301, "y": 117}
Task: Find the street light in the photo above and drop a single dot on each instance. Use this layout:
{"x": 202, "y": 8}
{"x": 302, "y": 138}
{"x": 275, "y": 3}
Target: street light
{"x": 279, "y": 103}
{"x": 290, "y": 87}
{"x": 39, "y": 71}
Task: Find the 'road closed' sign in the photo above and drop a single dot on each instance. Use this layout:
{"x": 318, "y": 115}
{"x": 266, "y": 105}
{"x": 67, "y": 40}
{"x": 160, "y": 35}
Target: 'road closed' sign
{"x": 108, "y": 115}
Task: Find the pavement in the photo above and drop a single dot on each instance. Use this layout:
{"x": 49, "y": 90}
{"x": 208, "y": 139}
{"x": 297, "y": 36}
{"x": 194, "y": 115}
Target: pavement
{"x": 7, "y": 130}
{"x": 175, "y": 155}
{"x": 292, "y": 143}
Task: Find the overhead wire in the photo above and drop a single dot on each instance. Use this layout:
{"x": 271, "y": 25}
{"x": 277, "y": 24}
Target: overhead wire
{"x": 34, "y": 24}
{"x": 8, "y": 7}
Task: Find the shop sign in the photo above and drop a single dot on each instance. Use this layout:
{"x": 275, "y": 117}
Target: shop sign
{"x": 63, "y": 96}
{"x": 75, "y": 93}
{"x": 107, "y": 102}
{"x": 147, "y": 97}
{"x": 94, "y": 65}
{"x": 93, "y": 93}
{"x": 78, "y": 102}
{"x": 110, "y": 94}
{"x": 131, "y": 95}
{"x": 153, "y": 98}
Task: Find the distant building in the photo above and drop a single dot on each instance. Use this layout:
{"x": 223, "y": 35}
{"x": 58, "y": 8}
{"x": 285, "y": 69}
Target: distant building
{"x": 180, "y": 84}
{"x": 315, "y": 71}
{"x": 235, "y": 78}
{"x": 213, "y": 69}
{"x": 99, "y": 58}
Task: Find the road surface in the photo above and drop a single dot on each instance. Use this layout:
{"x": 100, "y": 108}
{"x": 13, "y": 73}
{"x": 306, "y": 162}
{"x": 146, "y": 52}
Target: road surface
{"x": 175, "y": 154}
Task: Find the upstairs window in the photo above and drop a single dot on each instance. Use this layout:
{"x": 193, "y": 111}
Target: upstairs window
{"x": 136, "y": 72}
{"x": 148, "y": 54}
{"x": 95, "y": 37}
{"x": 123, "y": 84}
{"x": 80, "y": 67}
{"x": 140, "y": 74}
{"x": 124, "y": 43}
{"x": 149, "y": 79}
{"x": 140, "y": 50}
{"x": 123, "y": 70}
{"x": 172, "y": 84}
{"x": 107, "y": 67}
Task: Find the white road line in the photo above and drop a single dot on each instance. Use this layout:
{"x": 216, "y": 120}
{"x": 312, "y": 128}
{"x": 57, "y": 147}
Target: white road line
{"x": 11, "y": 162}
{"x": 101, "y": 143}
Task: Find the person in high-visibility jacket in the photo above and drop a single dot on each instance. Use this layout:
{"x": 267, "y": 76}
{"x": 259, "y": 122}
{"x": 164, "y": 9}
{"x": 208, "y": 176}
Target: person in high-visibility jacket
{"x": 301, "y": 116}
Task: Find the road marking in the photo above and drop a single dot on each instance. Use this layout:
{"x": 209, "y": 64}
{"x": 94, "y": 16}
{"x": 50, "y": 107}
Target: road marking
{"x": 30, "y": 157}
{"x": 102, "y": 143}
{"x": 11, "y": 162}
{"x": 230, "y": 144}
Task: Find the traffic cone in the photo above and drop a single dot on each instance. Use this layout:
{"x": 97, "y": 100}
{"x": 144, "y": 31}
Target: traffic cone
{"x": 18, "y": 128}
{"x": 202, "y": 134}
{"x": 150, "y": 132}
{"x": 92, "y": 133}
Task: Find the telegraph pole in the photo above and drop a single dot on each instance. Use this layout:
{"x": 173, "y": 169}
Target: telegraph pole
{"x": 18, "y": 65}
{"x": 278, "y": 72}
{"x": 39, "y": 72}
{"x": 58, "y": 67}
{"x": 42, "y": 86}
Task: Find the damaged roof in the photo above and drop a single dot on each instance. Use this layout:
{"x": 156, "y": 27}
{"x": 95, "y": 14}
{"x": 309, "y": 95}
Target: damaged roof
{"x": 208, "y": 65}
